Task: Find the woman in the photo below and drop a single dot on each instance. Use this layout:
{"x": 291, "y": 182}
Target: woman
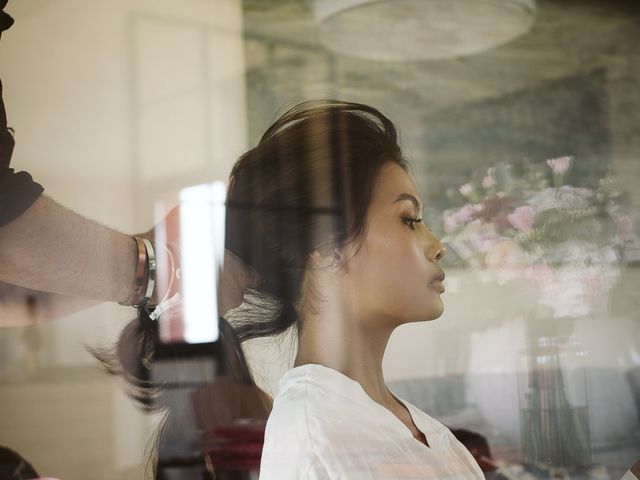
{"x": 324, "y": 211}
{"x": 326, "y": 225}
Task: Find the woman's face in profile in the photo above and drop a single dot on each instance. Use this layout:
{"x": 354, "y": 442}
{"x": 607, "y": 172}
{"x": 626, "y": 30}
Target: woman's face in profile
{"x": 390, "y": 279}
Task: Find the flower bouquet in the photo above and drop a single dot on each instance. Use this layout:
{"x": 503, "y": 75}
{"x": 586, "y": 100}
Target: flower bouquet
{"x": 529, "y": 225}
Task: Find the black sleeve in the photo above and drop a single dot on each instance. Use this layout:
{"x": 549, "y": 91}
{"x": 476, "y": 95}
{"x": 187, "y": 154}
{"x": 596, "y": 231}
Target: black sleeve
{"x": 18, "y": 191}
{"x": 5, "y": 19}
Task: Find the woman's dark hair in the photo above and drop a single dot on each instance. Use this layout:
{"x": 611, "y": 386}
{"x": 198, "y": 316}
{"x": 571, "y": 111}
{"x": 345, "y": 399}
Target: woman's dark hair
{"x": 307, "y": 185}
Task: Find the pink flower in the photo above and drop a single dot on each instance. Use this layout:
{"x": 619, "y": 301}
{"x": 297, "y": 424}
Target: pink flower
{"x": 522, "y": 218}
{"x": 466, "y": 213}
{"x": 625, "y": 226}
{"x": 461, "y": 216}
{"x": 560, "y": 164}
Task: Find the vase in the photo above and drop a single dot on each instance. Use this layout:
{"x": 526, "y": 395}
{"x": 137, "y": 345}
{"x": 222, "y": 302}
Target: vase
{"x": 553, "y": 404}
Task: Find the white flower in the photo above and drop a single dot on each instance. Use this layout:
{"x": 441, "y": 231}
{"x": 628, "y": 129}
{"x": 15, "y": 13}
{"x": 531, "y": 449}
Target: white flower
{"x": 466, "y": 189}
{"x": 450, "y": 223}
{"x": 488, "y": 182}
{"x": 572, "y": 302}
{"x": 566, "y": 197}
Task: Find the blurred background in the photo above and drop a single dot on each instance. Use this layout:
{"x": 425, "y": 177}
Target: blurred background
{"x": 528, "y": 109}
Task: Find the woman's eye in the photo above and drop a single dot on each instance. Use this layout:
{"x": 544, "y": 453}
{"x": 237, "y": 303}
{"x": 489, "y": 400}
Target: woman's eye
{"x": 411, "y": 222}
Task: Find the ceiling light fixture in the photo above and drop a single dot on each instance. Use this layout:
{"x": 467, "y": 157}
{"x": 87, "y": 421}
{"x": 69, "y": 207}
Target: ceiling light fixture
{"x": 409, "y": 30}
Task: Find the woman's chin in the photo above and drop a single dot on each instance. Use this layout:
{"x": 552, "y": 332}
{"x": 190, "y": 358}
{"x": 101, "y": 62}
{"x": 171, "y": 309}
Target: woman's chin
{"x": 435, "y": 311}
{"x": 432, "y": 314}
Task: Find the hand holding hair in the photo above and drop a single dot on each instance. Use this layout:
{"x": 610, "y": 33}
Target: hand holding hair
{"x": 166, "y": 295}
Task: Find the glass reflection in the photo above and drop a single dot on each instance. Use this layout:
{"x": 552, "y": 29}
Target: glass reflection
{"x": 523, "y": 154}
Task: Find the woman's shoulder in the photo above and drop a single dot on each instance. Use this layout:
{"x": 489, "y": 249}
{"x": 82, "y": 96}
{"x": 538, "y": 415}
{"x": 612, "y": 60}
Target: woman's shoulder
{"x": 309, "y": 391}
{"x": 312, "y": 402}
{"x": 315, "y": 386}
{"x": 295, "y": 436}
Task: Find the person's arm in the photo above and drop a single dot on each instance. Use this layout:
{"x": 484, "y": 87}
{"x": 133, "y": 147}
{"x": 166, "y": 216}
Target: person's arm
{"x": 54, "y": 262}
{"x": 53, "y": 249}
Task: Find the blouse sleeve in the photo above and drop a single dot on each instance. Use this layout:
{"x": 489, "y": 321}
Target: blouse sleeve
{"x": 287, "y": 453}
{"x": 300, "y": 464}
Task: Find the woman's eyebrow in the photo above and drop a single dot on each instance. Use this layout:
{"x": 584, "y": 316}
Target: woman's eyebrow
{"x": 411, "y": 198}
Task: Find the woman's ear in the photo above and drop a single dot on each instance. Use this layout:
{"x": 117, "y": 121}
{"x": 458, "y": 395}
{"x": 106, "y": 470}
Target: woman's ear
{"x": 317, "y": 259}
{"x": 328, "y": 255}
{"x": 324, "y": 259}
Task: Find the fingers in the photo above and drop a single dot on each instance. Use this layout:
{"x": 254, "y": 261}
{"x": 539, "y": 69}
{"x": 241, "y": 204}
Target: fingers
{"x": 5, "y": 19}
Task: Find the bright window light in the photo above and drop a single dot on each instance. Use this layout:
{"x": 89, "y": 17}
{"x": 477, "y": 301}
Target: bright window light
{"x": 202, "y": 222}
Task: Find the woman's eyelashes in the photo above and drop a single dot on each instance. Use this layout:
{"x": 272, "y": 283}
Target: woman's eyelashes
{"x": 411, "y": 221}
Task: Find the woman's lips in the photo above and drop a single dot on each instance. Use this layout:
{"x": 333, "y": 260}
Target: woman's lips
{"x": 437, "y": 286}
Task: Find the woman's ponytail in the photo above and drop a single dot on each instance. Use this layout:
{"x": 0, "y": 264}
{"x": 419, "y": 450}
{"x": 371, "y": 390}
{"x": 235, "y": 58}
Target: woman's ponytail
{"x": 132, "y": 358}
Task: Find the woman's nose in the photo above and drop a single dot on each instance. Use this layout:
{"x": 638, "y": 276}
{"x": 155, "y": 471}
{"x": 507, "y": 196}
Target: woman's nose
{"x": 440, "y": 253}
{"x": 434, "y": 248}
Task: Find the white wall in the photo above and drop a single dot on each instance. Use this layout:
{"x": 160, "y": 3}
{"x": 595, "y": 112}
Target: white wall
{"x": 84, "y": 82}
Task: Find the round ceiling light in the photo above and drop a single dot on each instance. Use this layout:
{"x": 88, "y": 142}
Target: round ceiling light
{"x": 408, "y": 30}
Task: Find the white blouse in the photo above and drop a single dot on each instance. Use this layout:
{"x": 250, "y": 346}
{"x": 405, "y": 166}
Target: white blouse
{"x": 324, "y": 426}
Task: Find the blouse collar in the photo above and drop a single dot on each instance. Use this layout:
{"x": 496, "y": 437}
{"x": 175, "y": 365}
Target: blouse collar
{"x": 339, "y": 383}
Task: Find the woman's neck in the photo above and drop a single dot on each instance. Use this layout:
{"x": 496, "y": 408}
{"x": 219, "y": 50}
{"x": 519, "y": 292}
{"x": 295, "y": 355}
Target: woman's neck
{"x": 346, "y": 346}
